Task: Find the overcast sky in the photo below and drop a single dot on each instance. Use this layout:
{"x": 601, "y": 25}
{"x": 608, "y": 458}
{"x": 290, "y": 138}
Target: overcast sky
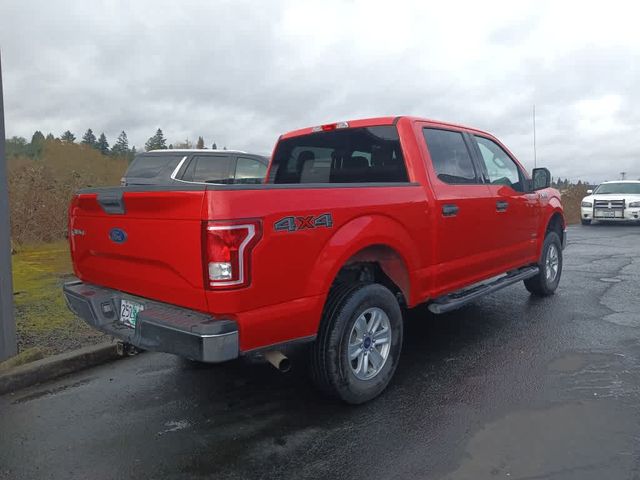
{"x": 241, "y": 73}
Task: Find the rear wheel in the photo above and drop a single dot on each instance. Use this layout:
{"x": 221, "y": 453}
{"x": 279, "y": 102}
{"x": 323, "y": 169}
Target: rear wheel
{"x": 585, "y": 222}
{"x": 550, "y": 265}
{"x": 359, "y": 342}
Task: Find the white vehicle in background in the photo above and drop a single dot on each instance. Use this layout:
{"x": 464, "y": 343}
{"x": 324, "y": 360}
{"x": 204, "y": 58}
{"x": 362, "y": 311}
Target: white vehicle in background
{"x": 612, "y": 201}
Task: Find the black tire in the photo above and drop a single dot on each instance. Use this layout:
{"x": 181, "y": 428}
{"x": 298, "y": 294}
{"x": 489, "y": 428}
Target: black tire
{"x": 585, "y": 222}
{"x": 331, "y": 370}
{"x": 542, "y": 284}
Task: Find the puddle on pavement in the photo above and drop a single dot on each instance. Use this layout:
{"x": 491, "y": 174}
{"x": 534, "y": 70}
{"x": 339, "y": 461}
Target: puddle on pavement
{"x": 552, "y": 442}
{"x": 571, "y": 362}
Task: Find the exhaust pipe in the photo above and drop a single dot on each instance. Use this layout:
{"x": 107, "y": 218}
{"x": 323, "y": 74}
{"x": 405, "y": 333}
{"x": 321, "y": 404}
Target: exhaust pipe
{"x": 278, "y": 360}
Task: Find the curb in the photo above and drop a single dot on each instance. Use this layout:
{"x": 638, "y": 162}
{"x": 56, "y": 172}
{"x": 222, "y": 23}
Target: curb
{"x": 57, "y": 366}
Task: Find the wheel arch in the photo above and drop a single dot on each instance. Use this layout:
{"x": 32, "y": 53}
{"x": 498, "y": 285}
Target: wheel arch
{"x": 554, "y": 222}
{"x": 376, "y": 240}
{"x": 378, "y": 263}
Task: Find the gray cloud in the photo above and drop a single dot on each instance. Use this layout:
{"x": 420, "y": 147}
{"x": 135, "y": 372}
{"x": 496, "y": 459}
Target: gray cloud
{"x": 241, "y": 72}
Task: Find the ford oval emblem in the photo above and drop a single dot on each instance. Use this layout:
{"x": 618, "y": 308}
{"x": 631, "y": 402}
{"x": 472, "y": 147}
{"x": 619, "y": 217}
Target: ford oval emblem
{"x": 117, "y": 235}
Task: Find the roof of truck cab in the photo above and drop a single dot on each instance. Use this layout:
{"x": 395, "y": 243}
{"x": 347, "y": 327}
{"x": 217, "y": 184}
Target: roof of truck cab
{"x": 378, "y": 121}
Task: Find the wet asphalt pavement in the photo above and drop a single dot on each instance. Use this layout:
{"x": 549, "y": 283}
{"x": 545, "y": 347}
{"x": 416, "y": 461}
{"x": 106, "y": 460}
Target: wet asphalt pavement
{"x": 510, "y": 387}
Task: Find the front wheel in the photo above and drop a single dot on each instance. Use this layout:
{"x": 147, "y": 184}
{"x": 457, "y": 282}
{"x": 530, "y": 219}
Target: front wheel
{"x": 359, "y": 343}
{"x": 585, "y": 222}
{"x": 550, "y": 265}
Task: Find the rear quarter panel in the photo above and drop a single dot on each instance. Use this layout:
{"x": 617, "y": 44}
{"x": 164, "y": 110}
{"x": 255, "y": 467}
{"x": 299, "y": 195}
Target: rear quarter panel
{"x": 292, "y": 271}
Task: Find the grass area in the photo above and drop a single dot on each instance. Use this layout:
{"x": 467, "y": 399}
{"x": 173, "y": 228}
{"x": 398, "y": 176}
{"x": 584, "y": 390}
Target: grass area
{"x": 25, "y": 356}
{"x": 42, "y": 318}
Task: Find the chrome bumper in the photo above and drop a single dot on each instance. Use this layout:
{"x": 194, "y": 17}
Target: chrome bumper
{"x": 159, "y": 327}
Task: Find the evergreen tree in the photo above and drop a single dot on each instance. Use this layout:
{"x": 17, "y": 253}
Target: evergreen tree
{"x": 214, "y": 146}
{"x": 50, "y": 137}
{"x": 68, "y": 137}
{"x": 200, "y": 144}
{"x": 121, "y": 147}
{"x": 89, "y": 138}
{"x": 157, "y": 142}
{"x": 132, "y": 153}
{"x": 171, "y": 146}
{"x": 37, "y": 138}
{"x": 102, "y": 145}
{"x": 35, "y": 147}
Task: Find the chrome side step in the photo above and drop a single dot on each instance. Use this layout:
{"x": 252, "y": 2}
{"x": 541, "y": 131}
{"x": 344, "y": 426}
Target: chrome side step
{"x": 455, "y": 300}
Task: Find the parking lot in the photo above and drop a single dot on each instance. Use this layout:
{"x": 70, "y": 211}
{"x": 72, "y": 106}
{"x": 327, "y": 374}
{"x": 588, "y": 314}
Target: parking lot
{"x": 510, "y": 387}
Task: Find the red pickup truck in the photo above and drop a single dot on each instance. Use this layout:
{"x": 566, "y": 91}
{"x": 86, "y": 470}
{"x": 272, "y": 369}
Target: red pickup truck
{"x": 356, "y": 222}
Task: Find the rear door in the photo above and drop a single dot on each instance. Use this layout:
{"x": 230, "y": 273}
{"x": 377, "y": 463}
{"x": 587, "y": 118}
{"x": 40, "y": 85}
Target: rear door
{"x": 463, "y": 210}
{"x": 145, "y": 241}
{"x": 516, "y": 210}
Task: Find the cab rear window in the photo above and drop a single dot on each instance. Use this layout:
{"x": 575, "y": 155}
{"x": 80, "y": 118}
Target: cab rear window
{"x": 351, "y": 155}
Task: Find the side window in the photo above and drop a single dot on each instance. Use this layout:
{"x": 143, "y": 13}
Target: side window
{"x": 501, "y": 169}
{"x": 450, "y": 156}
{"x": 249, "y": 170}
{"x": 209, "y": 169}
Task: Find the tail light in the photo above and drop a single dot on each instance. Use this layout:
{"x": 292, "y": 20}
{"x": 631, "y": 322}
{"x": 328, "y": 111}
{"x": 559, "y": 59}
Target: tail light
{"x": 227, "y": 249}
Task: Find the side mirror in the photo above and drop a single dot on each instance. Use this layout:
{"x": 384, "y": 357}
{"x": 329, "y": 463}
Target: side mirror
{"x": 589, "y": 192}
{"x": 541, "y": 178}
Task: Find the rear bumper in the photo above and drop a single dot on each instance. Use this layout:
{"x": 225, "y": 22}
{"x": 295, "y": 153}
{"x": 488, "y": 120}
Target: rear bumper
{"x": 159, "y": 327}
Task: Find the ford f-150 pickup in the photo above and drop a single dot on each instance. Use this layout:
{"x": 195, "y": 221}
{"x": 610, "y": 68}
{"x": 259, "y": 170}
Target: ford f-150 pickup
{"x": 357, "y": 222}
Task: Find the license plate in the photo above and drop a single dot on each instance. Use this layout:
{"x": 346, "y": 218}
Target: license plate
{"x": 606, "y": 214}
{"x": 129, "y": 312}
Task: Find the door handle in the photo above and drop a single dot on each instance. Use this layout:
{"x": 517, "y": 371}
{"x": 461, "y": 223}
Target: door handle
{"x": 449, "y": 210}
{"x": 501, "y": 206}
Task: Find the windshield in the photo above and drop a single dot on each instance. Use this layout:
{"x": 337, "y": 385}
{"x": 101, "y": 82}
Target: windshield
{"x": 633, "y": 188}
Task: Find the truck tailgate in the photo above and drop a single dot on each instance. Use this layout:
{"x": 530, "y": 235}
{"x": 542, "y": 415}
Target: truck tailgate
{"x": 146, "y": 243}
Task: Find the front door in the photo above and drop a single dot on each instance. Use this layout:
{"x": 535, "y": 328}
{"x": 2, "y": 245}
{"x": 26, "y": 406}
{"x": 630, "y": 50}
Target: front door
{"x": 515, "y": 209}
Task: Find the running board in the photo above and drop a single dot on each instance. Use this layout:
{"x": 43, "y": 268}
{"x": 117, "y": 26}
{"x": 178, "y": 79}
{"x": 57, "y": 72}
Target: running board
{"x": 455, "y": 300}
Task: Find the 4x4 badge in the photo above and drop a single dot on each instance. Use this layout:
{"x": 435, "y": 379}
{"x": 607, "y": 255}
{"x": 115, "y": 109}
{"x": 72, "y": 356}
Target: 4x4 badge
{"x": 293, "y": 224}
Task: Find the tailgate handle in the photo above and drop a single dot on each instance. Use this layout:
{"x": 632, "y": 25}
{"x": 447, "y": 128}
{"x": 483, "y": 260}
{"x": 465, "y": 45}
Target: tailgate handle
{"x": 112, "y": 202}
